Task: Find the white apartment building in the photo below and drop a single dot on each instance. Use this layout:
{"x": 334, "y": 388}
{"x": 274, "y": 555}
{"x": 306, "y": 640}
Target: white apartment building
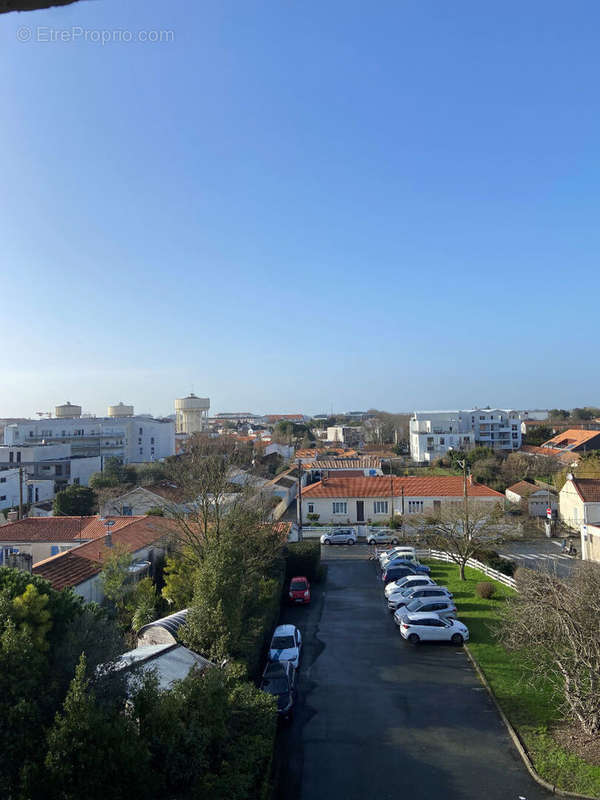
{"x": 433, "y": 433}
{"x": 53, "y": 463}
{"x": 130, "y": 439}
{"x": 30, "y": 491}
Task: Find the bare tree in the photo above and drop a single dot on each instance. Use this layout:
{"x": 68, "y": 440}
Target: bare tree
{"x": 202, "y": 476}
{"x": 460, "y": 529}
{"x": 553, "y": 623}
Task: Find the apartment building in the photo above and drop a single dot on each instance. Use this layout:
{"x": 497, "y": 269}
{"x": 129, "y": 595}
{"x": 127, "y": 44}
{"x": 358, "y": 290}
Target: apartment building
{"x": 130, "y": 439}
{"x": 15, "y": 487}
{"x": 53, "y": 463}
{"x": 433, "y": 433}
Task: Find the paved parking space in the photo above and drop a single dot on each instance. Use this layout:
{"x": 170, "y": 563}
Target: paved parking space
{"x": 377, "y": 717}
{"x": 545, "y": 554}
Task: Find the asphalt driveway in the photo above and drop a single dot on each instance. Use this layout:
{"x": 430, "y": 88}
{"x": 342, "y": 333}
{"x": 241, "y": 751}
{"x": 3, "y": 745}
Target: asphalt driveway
{"x": 377, "y": 717}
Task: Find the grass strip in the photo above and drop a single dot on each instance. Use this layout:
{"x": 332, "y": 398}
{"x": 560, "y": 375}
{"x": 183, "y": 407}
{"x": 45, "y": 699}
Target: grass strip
{"x": 531, "y": 709}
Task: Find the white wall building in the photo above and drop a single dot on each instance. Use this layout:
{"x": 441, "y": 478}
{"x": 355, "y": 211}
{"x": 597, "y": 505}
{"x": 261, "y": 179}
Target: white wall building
{"x": 191, "y": 414}
{"x": 51, "y": 467}
{"x": 433, "y": 433}
{"x": 130, "y": 439}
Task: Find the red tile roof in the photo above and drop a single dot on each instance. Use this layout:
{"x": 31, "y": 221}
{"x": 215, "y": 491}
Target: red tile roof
{"x": 450, "y": 486}
{"x": 83, "y": 562}
{"x": 524, "y": 488}
{"x": 564, "y": 456}
{"x": 588, "y": 489}
{"x": 572, "y": 438}
{"x": 59, "y": 529}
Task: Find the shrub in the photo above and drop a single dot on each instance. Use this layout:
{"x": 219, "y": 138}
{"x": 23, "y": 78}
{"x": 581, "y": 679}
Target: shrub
{"x": 485, "y": 590}
{"x": 495, "y": 561}
{"x": 303, "y": 558}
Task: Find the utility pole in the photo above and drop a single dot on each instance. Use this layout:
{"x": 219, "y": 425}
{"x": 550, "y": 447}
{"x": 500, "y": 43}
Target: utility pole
{"x": 463, "y": 463}
{"x": 299, "y": 501}
{"x": 20, "y": 492}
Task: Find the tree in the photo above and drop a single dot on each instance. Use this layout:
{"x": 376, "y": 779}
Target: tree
{"x": 94, "y": 751}
{"x": 553, "y": 623}
{"x": 142, "y": 604}
{"x": 461, "y": 529}
{"x": 75, "y": 501}
{"x": 114, "y": 575}
{"x": 538, "y": 435}
{"x": 32, "y": 615}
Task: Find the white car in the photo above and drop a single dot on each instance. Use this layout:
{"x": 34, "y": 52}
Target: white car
{"x": 407, "y": 553}
{"x": 431, "y": 628}
{"x": 408, "y": 580}
{"x": 443, "y": 607}
{"x": 404, "y": 597}
{"x": 339, "y": 536}
{"x": 286, "y": 645}
{"x": 382, "y": 536}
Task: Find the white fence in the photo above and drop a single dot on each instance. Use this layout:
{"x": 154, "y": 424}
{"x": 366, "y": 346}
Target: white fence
{"x": 438, "y": 555}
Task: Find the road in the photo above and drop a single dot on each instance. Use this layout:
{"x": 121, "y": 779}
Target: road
{"x": 377, "y": 717}
{"x": 543, "y": 554}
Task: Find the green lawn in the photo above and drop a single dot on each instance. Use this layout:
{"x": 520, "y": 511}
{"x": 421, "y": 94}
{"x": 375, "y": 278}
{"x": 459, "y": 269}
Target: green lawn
{"x": 531, "y": 711}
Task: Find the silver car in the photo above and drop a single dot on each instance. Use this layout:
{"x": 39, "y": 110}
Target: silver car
{"x": 339, "y": 536}
{"x": 382, "y": 536}
{"x": 405, "y": 596}
{"x": 442, "y": 607}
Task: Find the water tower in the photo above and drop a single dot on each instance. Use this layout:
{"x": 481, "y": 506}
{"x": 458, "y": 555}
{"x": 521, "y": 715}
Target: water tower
{"x": 191, "y": 414}
{"x": 120, "y": 410}
{"x": 67, "y": 411}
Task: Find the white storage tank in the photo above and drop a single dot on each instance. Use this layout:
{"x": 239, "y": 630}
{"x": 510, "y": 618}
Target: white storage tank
{"x": 191, "y": 414}
{"x": 67, "y": 411}
{"x": 120, "y": 410}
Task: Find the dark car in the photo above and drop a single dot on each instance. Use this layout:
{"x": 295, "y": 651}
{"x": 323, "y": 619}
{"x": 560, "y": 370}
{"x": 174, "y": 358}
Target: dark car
{"x": 393, "y": 573}
{"x": 279, "y": 680}
{"x": 421, "y": 569}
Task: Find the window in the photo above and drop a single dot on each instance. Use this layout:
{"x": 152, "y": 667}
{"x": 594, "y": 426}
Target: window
{"x": 380, "y": 507}
{"x": 19, "y": 457}
{"x": 2, "y": 480}
{"x": 442, "y": 440}
{"x": 139, "y": 441}
{"x": 54, "y": 550}
{"x": 311, "y": 507}
{"x": 340, "y": 508}
{"x": 152, "y": 440}
{"x": 141, "y": 451}
{"x": 127, "y": 511}
{"x": 2, "y": 497}
{"x": 481, "y": 417}
{"x": 415, "y": 506}
{"x": 11, "y": 457}
{"x": 141, "y": 431}
{"x": 58, "y": 469}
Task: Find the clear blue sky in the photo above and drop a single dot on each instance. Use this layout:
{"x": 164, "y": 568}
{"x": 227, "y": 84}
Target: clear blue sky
{"x": 299, "y": 205}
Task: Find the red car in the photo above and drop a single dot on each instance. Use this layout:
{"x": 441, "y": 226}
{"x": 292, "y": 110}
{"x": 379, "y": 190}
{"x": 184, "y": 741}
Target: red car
{"x": 299, "y": 590}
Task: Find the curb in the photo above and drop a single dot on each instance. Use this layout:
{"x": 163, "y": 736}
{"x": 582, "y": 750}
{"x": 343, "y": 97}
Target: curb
{"x": 516, "y": 739}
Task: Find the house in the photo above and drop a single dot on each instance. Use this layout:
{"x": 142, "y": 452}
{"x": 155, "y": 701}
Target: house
{"x": 308, "y": 455}
{"x": 433, "y": 433}
{"x": 367, "y": 466}
{"x": 16, "y": 486}
{"x": 565, "y": 457}
{"x": 79, "y": 568}
{"x": 590, "y": 542}
{"x": 359, "y": 500}
{"x": 531, "y": 498}
{"x": 579, "y": 501}
{"x": 284, "y": 450}
{"x": 54, "y": 463}
{"x": 43, "y": 537}
{"x": 574, "y": 440}
{"x": 139, "y": 501}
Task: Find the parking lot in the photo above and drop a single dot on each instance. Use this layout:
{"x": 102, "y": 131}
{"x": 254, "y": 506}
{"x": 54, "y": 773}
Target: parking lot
{"x": 376, "y": 717}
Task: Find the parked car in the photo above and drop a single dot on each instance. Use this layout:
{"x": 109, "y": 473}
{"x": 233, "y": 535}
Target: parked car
{"x": 339, "y": 536}
{"x": 426, "y": 627}
{"x": 279, "y": 679}
{"x": 286, "y": 645}
{"x": 405, "y": 551}
{"x": 409, "y": 580}
{"x": 442, "y": 607}
{"x": 403, "y": 598}
{"x": 299, "y": 590}
{"x": 400, "y": 571}
{"x": 382, "y": 536}
{"x": 397, "y": 561}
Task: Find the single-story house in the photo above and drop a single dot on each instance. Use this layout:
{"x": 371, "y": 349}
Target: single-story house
{"x": 286, "y": 451}
{"x": 341, "y": 501}
{"x": 43, "y": 537}
{"x": 579, "y": 501}
{"x": 139, "y": 501}
{"x": 79, "y": 568}
{"x": 531, "y": 498}
{"x": 366, "y": 466}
